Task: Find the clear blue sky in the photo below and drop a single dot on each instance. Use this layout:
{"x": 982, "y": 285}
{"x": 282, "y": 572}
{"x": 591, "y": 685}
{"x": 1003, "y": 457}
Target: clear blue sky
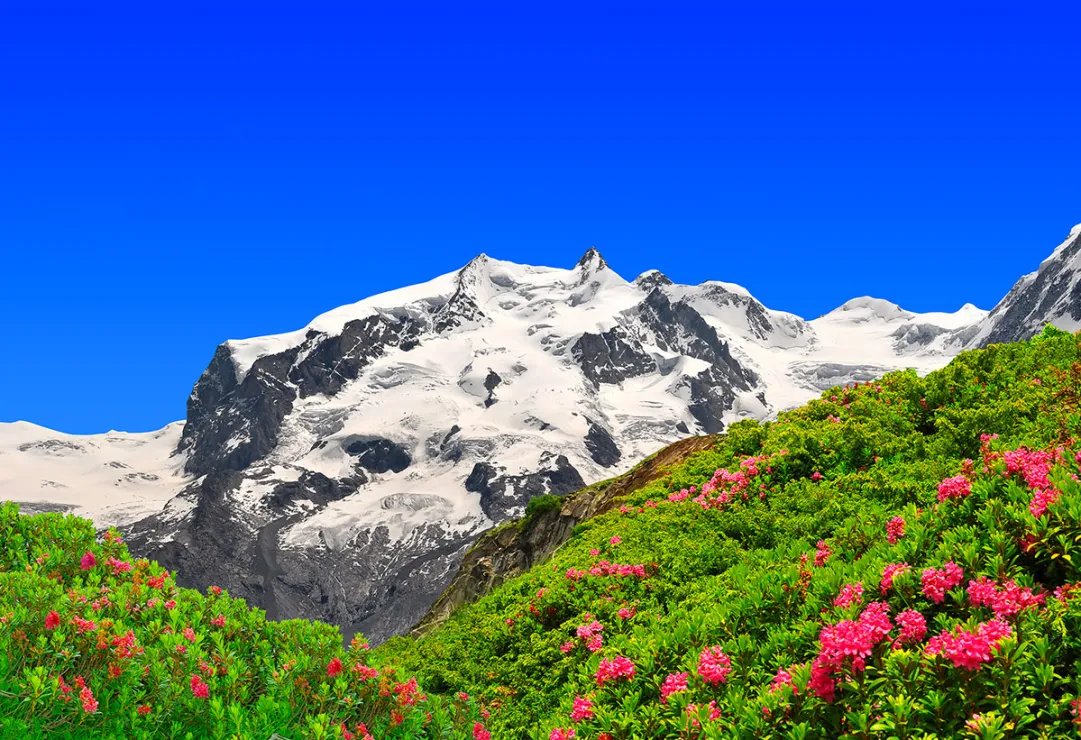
{"x": 173, "y": 178}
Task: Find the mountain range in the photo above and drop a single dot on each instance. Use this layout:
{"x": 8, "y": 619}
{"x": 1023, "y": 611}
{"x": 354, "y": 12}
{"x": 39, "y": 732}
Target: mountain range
{"x": 341, "y": 471}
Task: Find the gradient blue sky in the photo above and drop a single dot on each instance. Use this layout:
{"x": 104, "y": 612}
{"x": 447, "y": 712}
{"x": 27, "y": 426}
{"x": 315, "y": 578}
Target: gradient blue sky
{"x": 171, "y": 178}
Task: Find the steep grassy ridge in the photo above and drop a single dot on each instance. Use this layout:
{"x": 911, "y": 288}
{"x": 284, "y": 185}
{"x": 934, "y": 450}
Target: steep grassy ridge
{"x": 803, "y": 578}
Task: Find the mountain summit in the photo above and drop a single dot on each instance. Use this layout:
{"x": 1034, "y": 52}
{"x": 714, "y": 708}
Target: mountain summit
{"x": 341, "y": 470}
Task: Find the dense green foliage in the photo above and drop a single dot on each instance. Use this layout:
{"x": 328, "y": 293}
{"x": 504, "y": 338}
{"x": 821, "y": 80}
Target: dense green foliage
{"x": 94, "y": 644}
{"x": 732, "y": 569}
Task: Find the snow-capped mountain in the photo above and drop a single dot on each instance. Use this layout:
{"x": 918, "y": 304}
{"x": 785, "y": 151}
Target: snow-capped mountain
{"x": 341, "y": 470}
{"x": 1052, "y": 295}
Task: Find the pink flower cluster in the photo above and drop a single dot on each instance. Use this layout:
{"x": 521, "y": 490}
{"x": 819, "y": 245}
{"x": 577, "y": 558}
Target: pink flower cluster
{"x": 847, "y": 643}
{"x": 969, "y": 650}
{"x": 937, "y": 582}
{"x": 913, "y": 628}
{"x": 713, "y": 665}
{"x": 956, "y": 487}
{"x": 591, "y": 633}
{"x": 782, "y": 679}
{"x": 582, "y": 709}
{"x": 851, "y": 593}
{"x": 890, "y": 572}
{"x": 895, "y": 529}
{"x": 605, "y": 568}
{"x": 612, "y": 669}
{"x": 561, "y": 734}
{"x": 1005, "y": 600}
{"x": 822, "y": 553}
{"x": 673, "y": 684}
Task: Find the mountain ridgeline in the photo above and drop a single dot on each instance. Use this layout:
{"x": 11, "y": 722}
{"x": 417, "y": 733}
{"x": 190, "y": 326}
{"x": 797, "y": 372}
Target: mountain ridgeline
{"x": 342, "y": 471}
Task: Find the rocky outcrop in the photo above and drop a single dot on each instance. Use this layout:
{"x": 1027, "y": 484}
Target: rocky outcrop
{"x": 512, "y": 549}
{"x": 502, "y": 496}
{"x": 1052, "y": 295}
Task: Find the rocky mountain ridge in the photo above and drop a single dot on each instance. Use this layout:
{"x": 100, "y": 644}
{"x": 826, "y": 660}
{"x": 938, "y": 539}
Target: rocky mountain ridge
{"x": 341, "y": 471}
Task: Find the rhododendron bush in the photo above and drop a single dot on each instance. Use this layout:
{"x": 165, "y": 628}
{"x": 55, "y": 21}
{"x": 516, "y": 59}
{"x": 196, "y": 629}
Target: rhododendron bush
{"x": 896, "y": 559}
{"x": 97, "y": 644}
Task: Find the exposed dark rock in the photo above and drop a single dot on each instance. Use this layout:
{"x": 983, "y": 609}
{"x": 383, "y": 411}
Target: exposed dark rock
{"x": 490, "y": 384}
{"x": 230, "y": 425}
{"x": 910, "y": 335}
{"x": 682, "y": 427}
{"x": 314, "y": 487}
{"x": 602, "y": 448}
{"x": 378, "y": 455}
{"x": 502, "y": 496}
{"x": 334, "y": 360}
{"x": 1038, "y": 299}
{"x": 611, "y": 357}
{"x": 648, "y": 281}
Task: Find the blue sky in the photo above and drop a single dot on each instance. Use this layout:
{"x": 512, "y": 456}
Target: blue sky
{"x": 171, "y": 178}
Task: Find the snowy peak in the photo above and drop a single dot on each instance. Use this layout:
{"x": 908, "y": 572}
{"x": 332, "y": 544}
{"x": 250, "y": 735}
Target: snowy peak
{"x": 591, "y": 262}
{"x": 1051, "y": 295}
{"x": 866, "y": 308}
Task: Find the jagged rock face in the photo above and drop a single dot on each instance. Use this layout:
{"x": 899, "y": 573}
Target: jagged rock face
{"x": 1052, "y": 295}
{"x": 502, "y": 495}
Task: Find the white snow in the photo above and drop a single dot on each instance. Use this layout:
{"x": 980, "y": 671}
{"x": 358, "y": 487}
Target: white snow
{"x": 114, "y": 478}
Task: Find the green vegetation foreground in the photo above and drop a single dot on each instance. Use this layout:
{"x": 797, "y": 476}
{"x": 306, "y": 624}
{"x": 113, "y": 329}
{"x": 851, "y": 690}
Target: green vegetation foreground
{"x": 893, "y": 560}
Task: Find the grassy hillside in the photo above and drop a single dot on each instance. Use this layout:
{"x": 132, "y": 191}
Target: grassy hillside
{"x": 96, "y": 644}
{"x": 893, "y": 560}
{"x": 876, "y": 564}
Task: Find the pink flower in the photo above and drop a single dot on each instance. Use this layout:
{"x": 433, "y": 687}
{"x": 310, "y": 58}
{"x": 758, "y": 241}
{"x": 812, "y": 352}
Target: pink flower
{"x": 218, "y": 621}
{"x": 199, "y": 688}
{"x": 189, "y": 634}
{"x": 52, "y": 620}
{"x": 612, "y": 669}
{"x": 88, "y": 561}
{"x": 895, "y": 529}
{"x": 616, "y": 539}
{"x": 119, "y": 566}
{"x": 890, "y": 572}
{"x": 713, "y": 665}
{"x": 566, "y": 647}
{"x": 86, "y": 696}
{"x": 479, "y": 733}
{"x": 626, "y": 613}
{"x": 143, "y": 709}
{"x": 851, "y": 593}
{"x": 969, "y": 650}
{"x": 816, "y": 476}
{"x": 170, "y": 604}
{"x": 334, "y": 667}
{"x": 783, "y": 678}
{"x": 560, "y": 734}
{"x": 583, "y": 709}
{"x": 1005, "y": 600}
{"x": 956, "y": 487}
{"x": 913, "y": 628}
{"x": 822, "y": 554}
{"x": 673, "y": 684}
{"x": 937, "y": 582}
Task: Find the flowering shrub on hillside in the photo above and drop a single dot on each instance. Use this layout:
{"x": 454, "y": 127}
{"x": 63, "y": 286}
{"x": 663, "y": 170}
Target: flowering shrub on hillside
{"x": 94, "y": 643}
{"x": 895, "y": 559}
